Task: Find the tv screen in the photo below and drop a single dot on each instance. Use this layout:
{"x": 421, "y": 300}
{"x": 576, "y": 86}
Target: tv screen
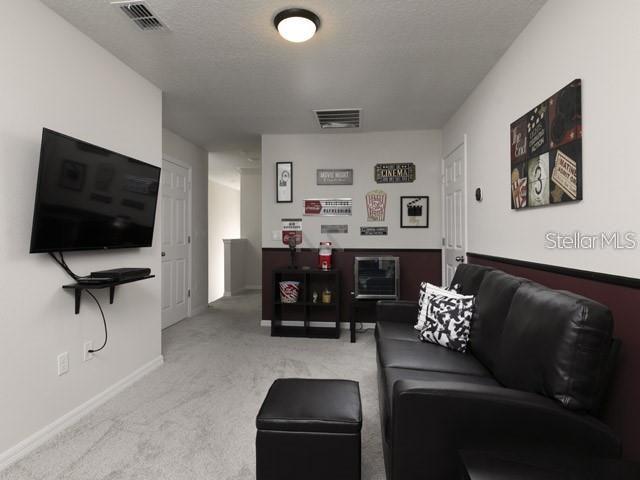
{"x": 377, "y": 277}
{"x": 90, "y": 198}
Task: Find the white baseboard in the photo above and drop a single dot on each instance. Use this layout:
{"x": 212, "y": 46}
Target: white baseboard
{"x": 343, "y": 325}
{"x": 32, "y": 442}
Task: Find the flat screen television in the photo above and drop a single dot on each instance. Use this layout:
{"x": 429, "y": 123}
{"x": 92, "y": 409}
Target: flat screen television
{"x": 377, "y": 277}
{"x": 90, "y": 198}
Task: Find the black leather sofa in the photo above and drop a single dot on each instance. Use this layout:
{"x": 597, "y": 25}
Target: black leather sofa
{"x": 534, "y": 375}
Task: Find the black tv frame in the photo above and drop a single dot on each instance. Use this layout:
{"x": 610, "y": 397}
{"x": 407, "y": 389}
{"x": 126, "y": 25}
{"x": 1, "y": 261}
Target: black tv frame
{"x": 37, "y": 198}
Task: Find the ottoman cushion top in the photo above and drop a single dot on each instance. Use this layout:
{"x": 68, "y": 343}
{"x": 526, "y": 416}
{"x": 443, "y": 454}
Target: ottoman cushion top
{"x": 310, "y": 405}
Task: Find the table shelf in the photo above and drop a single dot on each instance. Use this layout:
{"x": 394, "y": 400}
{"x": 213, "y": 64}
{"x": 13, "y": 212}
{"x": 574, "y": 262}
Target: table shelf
{"x": 305, "y": 310}
{"x": 111, "y": 285}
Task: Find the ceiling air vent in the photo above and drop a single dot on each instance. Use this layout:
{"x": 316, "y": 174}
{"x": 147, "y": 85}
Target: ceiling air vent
{"x": 343, "y": 118}
{"x": 140, "y": 13}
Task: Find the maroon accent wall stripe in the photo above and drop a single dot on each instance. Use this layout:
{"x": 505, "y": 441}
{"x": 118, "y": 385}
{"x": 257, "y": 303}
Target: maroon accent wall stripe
{"x": 621, "y": 412}
{"x": 415, "y": 266}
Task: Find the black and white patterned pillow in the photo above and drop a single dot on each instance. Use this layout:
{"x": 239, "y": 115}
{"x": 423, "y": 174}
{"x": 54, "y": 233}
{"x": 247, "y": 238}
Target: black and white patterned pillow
{"x": 448, "y": 321}
{"x": 427, "y": 290}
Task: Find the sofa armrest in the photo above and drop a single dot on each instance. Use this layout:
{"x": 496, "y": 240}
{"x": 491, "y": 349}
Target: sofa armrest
{"x": 401, "y": 311}
{"x": 431, "y": 421}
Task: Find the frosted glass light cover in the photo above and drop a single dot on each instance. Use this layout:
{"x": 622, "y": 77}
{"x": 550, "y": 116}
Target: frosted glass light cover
{"x": 297, "y": 29}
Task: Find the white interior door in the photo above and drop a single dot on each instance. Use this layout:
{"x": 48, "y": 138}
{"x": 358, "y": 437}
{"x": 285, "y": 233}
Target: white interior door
{"x": 455, "y": 212}
{"x": 175, "y": 243}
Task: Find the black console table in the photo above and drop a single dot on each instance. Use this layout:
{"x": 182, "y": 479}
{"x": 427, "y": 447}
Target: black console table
{"x": 79, "y": 287}
{"x": 356, "y": 303}
{"x": 305, "y": 310}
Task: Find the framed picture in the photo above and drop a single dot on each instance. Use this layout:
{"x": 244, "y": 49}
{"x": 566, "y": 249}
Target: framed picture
{"x": 284, "y": 182}
{"x": 414, "y": 212}
{"x": 546, "y": 151}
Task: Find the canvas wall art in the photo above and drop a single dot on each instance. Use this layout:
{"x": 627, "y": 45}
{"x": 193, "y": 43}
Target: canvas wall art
{"x": 546, "y": 151}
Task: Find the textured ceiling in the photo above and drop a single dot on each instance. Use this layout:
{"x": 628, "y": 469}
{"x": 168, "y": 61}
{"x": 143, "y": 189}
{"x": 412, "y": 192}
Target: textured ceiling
{"x": 228, "y": 77}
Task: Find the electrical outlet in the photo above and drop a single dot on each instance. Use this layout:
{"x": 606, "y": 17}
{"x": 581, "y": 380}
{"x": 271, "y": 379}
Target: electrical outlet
{"x": 276, "y": 235}
{"x": 63, "y": 363}
{"x": 86, "y": 355}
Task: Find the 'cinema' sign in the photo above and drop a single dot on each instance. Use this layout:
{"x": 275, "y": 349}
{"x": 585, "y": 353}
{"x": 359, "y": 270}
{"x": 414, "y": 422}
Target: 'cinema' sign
{"x": 395, "y": 172}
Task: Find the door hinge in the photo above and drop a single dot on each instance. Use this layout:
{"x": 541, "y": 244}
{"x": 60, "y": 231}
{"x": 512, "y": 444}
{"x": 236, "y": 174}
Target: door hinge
{"x": 189, "y": 293}
{"x": 189, "y": 239}
{"x": 443, "y": 242}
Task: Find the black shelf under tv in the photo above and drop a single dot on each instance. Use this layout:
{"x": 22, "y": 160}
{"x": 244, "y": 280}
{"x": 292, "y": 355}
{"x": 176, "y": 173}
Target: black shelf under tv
{"x": 313, "y": 319}
{"x": 111, "y": 285}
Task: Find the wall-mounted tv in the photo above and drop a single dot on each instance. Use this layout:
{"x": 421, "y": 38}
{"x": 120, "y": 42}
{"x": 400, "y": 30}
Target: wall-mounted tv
{"x": 90, "y": 198}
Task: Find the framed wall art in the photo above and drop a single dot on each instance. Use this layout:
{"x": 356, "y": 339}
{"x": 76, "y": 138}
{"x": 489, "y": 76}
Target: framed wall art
{"x": 414, "y": 212}
{"x": 546, "y": 151}
{"x": 284, "y": 182}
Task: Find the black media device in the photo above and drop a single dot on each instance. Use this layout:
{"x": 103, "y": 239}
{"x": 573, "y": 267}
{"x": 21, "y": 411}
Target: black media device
{"x": 122, "y": 274}
{"x": 90, "y": 198}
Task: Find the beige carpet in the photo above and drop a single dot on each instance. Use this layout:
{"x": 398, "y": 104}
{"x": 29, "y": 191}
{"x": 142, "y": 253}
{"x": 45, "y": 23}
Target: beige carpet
{"x": 194, "y": 417}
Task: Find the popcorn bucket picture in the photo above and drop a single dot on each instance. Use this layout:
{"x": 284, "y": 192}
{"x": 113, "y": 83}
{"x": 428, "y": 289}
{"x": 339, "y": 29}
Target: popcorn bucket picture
{"x": 376, "y": 205}
{"x": 289, "y": 291}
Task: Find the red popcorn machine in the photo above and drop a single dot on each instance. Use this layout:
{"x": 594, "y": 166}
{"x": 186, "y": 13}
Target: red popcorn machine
{"x": 324, "y": 256}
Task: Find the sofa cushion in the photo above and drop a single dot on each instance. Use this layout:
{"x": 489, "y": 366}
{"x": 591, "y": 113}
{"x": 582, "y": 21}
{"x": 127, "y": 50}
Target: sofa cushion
{"x": 396, "y": 331}
{"x": 448, "y": 321}
{"x": 391, "y": 375}
{"x": 492, "y": 306}
{"x": 469, "y": 277}
{"x": 556, "y": 344}
{"x": 427, "y": 356}
{"x": 427, "y": 292}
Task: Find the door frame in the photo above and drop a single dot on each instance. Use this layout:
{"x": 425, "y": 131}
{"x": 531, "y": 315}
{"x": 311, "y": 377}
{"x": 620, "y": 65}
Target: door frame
{"x": 464, "y": 144}
{"x": 189, "y": 169}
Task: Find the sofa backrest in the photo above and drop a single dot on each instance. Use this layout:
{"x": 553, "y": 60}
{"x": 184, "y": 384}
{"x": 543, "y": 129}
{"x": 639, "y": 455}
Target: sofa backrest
{"x": 555, "y": 343}
{"x": 469, "y": 277}
{"x": 493, "y": 301}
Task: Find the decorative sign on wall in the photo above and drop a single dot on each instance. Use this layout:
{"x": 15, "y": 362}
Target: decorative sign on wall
{"x": 395, "y": 172}
{"x": 291, "y": 227}
{"x": 414, "y": 212}
{"x": 374, "y": 230}
{"x": 334, "y": 228}
{"x": 376, "y": 205}
{"x": 546, "y": 151}
{"x": 328, "y": 207}
{"x": 333, "y": 176}
{"x": 284, "y": 182}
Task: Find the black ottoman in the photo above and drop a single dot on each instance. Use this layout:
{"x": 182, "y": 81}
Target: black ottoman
{"x": 309, "y": 429}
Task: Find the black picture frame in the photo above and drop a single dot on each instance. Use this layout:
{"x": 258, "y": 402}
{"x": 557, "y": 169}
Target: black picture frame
{"x": 281, "y": 197}
{"x": 404, "y": 213}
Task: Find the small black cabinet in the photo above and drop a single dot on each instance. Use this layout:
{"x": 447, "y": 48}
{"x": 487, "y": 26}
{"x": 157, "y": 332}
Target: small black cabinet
{"x": 313, "y": 319}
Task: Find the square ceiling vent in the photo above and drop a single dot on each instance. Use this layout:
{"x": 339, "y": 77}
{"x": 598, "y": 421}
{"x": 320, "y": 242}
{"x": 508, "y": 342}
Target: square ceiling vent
{"x": 340, "y": 118}
{"x": 141, "y": 14}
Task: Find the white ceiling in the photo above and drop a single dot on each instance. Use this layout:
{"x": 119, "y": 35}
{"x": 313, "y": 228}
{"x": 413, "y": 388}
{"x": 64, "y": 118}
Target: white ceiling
{"x": 226, "y": 167}
{"x": 228, "y": 77}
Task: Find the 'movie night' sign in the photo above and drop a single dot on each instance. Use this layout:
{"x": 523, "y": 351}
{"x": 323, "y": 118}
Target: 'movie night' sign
{"x": 395, "y": 172}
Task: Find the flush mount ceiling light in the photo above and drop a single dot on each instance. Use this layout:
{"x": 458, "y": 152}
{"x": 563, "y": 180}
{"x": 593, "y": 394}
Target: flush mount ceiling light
{"x": 296, "y": 24}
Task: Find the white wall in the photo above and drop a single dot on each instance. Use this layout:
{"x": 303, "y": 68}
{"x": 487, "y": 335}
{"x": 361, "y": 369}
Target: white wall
{"x": 235, "y": 252}
{"x": 54, "y": 76}
{"x": 360, "y": 151}
{"x": 251, "y": 224}
{"x": 177, "y": 148}
{"x": 224, "y": 222}
{"x": 590, "y": 39}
